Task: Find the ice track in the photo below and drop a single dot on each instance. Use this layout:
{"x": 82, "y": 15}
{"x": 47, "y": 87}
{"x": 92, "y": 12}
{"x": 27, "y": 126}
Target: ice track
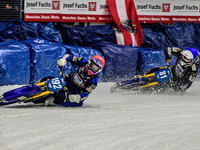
{"x": 105, "y": 122}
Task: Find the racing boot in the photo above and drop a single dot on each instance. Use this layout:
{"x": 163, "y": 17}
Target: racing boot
{"x": 49, "y": 100}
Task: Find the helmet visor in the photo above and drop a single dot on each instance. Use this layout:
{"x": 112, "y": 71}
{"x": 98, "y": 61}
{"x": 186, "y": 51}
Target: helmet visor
{"x": 186, "y": 59}
{"x": 94, "y": 67}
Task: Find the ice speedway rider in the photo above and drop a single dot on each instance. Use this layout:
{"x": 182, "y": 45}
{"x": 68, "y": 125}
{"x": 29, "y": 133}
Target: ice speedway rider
{"x": 79, "y": 84}
{"x": 185, "y": 69}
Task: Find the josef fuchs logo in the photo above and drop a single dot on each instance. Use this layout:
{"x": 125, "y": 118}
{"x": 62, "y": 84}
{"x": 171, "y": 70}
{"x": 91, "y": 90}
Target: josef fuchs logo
{"x": 92, "y": 6}
{"x": 55, "y": 5}
{"x": 166, "y": 7}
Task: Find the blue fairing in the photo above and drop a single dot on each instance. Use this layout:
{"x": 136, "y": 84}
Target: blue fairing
{"x": 9, "y": 102}
{"x": 26, "y": 91}
{"x": 163, "y": 75}
{"x": 56, "y": 84}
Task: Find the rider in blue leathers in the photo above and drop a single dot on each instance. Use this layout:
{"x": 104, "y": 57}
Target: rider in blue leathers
{"x": 80, "y": 83}
{"x": 186, "y": 67}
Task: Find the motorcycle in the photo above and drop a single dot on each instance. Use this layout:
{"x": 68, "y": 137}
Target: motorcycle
{"x": 34, "y": 92}
{"x": 144, "y": 83}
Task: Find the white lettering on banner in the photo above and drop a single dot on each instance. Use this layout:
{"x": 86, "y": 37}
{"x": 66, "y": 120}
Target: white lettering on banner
{"x": 165, "y": 19}
{"x": 91, "y": 18}
{"x": 45, "y": 17}
{"x": 105, "y": 18}
{"x": 69, "y": 18}
{"x": 155, "y": 19}
{"x": 192, "y": 19}
{"x": 179, "y": 19}
{"x": 55, "y": 17}
{"x": 144, "y": 18}
{"x": 32, "y": 17}
{"x": 81, "y": 18}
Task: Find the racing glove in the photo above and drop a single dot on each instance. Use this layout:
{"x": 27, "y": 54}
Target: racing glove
{"x": 63, "y": 61}
{"x": 168, "y": 53}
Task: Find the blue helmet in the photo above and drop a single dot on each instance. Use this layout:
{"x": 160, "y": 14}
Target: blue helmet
{"x": 189, "y": 55}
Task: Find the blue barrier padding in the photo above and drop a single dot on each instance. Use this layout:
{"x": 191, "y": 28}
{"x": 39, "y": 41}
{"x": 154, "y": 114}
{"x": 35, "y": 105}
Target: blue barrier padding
{"x": 121, "y": 61}
{"x": 44, "y": 56}
{"x": 14, "y": 63}
{"x": 86, "y": 36}
{"x": 18, "y": 30}
{"x": 180, "y": 34}
{"x": 47, "y": 31}
{"x": 150, "y": 58}
{"x": 3, "y": 27}
{"x": 154, "y": 39}
{"x": 197, "y": 32}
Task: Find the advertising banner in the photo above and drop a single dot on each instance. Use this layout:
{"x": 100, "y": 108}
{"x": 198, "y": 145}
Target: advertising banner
{"x": 67, "y": 11}
{"x": 168, "y": 11}
{"x": 97, "y": 11}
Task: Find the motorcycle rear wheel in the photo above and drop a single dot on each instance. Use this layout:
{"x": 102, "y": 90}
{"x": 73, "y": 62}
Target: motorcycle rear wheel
{"x": 133, "y": 84}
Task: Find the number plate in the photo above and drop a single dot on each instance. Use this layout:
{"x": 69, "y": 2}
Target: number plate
{"x": 163, "y": 75}
{"x": 56, "y": 84}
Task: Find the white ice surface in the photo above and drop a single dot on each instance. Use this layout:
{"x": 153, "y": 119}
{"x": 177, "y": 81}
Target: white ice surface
{"x": 105, "y": 122}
